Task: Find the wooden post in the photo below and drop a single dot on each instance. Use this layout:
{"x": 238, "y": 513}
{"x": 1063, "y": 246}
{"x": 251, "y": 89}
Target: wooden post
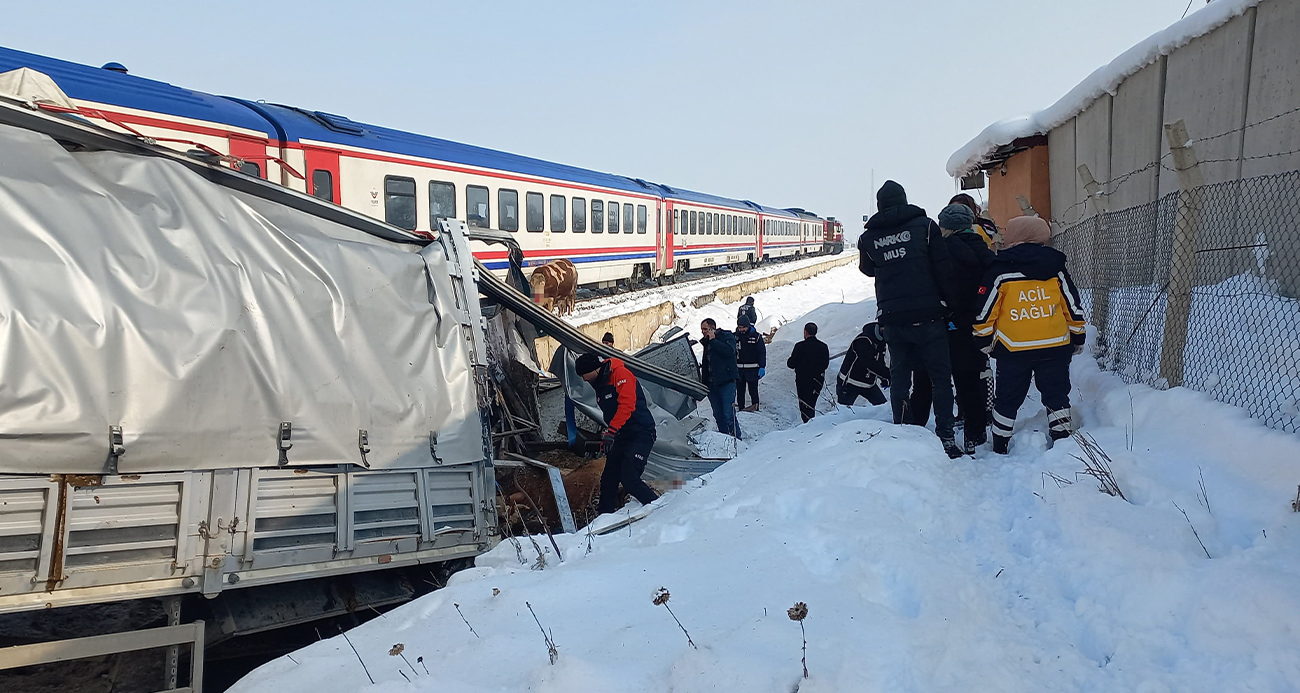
{"x": 1101, "y": 260}
{"x": 1182, "y": 266}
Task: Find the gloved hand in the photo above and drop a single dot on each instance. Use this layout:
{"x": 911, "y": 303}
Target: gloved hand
{"x": 607, "y": 440}
{"x": 1078, "y": 349}
{"x": 762, "y": 372}
{"x": 987, "y": 350}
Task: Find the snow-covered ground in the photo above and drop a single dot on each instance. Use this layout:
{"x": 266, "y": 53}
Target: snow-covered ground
{"x": 919, "y": 573}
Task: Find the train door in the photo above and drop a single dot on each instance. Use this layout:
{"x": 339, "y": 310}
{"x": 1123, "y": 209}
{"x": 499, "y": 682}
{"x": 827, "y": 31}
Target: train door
{"x": 323, "y": 174}
{"x": 664, "y": 253}
{"x": 252, "y": 152}
{"x": 758, "y": 247}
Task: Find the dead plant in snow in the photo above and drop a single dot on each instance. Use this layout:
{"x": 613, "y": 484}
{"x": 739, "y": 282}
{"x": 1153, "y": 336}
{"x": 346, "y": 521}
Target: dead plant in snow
{"x": 799, "y": 612}
{"x": 551, "y": 650}
{"x": 1097, "y": 463}
{"x": 661, "y": 598}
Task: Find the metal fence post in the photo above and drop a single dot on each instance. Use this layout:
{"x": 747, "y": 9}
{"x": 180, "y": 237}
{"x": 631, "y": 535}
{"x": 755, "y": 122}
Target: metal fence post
{"x": 1182, "y": 266}
{"x": 1100, "y": 261}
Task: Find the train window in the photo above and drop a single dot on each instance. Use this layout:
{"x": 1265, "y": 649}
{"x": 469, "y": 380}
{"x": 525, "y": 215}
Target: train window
{"x": 692, "y": 229}
{"x": 477, "y": 211}
{"x": 579, "y": 215}
{"x": 641, "y": 218}
{"x": 535, "y": 212}
{"x": 708, "y": 224}
{"x": 442, "y": 202}
{"x": 613, "y": 217}
{"x": 731, "y": 226}
{"x": 508, "y": 209}
{"x": 597, "y": 216}
{"x": 627, "y": 217}
{"x": 399, "y": 202}
{"x": 322, "y": 184}
{"x": 251, "y": 169}
{"x": 558, "y": 204}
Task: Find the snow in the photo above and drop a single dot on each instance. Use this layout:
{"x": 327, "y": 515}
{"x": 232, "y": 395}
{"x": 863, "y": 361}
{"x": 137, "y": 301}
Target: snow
{"x": 1104, "y": 80}
{"x": 920, "y": 573}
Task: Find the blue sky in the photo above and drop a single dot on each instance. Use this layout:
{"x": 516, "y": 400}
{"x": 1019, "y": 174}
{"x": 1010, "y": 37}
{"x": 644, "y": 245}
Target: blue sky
{"x": 784, "y": 103}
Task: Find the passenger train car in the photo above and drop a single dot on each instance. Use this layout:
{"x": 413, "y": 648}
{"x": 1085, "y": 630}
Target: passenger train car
{"x": 614, "y": 228}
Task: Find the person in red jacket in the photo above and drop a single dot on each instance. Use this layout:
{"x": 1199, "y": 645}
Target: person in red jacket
{"x": 629, "y": 429}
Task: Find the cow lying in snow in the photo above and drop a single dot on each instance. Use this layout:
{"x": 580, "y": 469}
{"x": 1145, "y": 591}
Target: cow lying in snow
{"x": 555, "y": 286}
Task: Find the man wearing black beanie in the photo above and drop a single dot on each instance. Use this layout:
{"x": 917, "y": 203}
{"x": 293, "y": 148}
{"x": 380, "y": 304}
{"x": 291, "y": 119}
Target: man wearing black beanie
{"x": 629, "y": 428}
{"x": 904, "y": 251}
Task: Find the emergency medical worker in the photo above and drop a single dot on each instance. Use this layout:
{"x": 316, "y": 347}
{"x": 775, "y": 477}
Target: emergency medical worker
{"x": 809, "y": 359}
{"x": 751, "y": 362}
{"x": 903, "y": 250}
{"x": 1032, "y": 322}
{"x": 629, "y": 428}
{"x": 863, "y": 370}
{"x": 719, "y": 373}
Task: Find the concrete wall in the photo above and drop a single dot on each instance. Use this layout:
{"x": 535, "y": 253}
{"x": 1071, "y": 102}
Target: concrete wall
{"x": 1243, "y": 72}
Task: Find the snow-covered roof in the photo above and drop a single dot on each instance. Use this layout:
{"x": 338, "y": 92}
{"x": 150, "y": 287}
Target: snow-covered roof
{"x": 1105, "y": 80}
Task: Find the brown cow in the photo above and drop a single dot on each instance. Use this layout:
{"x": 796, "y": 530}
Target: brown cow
{"x": 555, "y": 286}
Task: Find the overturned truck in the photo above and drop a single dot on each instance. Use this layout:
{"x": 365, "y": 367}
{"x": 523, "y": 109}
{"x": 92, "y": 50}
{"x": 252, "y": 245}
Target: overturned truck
{"x": 222, "y": 394}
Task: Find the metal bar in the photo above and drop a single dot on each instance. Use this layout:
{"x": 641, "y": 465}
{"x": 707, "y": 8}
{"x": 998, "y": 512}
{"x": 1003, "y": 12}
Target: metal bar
{"x": 173, "y": 607}
{"x": 99, "y": 645}
{"x": 196, "y": 658}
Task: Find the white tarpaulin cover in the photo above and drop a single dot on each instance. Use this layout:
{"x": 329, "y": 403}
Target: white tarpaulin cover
{"x": 32, "y": 87}
{"x": 135, "y": 293}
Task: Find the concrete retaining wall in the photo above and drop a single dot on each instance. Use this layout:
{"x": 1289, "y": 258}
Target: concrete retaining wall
{"x": 1241, "y": 73}
{"x": 632, "y": 331}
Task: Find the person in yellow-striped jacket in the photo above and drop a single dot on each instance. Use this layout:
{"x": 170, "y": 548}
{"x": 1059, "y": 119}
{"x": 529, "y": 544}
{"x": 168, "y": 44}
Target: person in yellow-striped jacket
{"x": 1031, "y": 321}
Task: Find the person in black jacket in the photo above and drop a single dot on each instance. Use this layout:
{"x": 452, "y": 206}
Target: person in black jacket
{"x": 629, "y": 428}
{"x": 863, "y": 370}
{"x": 904, "y": 251}
{"x": 809, "y": 359}
{"x": 718, "y": 371}
{"x": 747, "y": 311}
{"x": 751, "y": 362}
{"x": 971, "y": 258}
{"x": 983, "y": 226}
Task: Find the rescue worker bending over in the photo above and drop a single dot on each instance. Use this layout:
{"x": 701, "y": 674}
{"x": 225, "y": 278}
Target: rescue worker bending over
{"x": 1032, "y": 322}
{"x": 629, "y": 429}
{"x": 863, "y": 370}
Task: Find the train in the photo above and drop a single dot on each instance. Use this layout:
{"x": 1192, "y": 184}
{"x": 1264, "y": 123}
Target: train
{"x": 615, "y": 229}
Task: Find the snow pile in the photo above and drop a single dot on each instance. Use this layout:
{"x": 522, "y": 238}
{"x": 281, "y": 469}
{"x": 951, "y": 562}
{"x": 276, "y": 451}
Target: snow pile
{"x": 920, "y": 573}
{"x": 1105, "y": 80}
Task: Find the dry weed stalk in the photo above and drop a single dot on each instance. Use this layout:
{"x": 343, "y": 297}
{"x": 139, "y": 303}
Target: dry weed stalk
{"x": 466, "y": 620}
{"x": 1204, "y": 495}
{"x": 399, "y": 650}
{"x": 1194, "y": 532}
{"x": 1098, "y": 464}
{"x": 358, "y": 654}
{"x": 551, "y": 650}
{"x": 661, "y": 599}
{"x": 799, "y": 612}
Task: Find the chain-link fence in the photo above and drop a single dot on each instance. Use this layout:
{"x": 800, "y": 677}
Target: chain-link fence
{"x": 1200, "y": 289}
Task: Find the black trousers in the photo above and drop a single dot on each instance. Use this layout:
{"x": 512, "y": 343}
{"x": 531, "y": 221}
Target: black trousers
{"x": 808, "y": 389}
{"x": 847, "y": 393}
{"x": 624, "y": 463}
{"x": 924, "y": 347}
{"x": 748, "y": 379}
{"x": 1050, "y": 375}
{"x": 972, "y": 402}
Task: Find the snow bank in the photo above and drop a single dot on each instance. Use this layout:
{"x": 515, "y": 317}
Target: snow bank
{"x": 1105, "y": 80}
{"x": 920, "y": 573}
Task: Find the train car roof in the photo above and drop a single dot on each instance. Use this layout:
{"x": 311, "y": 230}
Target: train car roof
{"x": 301, "y": 124}
{"x": 96, "y": 84}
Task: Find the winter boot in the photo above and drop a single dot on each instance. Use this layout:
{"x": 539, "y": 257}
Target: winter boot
{"x": 968, "y": 446}
{"x": 1001, "y": 445}
{"x": 950, "y": 447}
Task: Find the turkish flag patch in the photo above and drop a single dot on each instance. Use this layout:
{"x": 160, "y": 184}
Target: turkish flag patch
{"x": 984, "y": 290}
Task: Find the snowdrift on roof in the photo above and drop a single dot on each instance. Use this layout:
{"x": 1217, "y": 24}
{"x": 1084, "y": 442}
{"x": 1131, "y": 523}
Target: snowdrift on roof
{"x": 1105, "y": 80}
